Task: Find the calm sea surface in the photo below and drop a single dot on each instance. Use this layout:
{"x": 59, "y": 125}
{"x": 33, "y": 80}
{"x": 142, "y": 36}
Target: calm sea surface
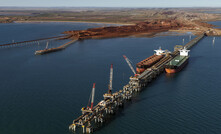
{"x": 213, "y": 12}
{"x": 43, "y": 94}
{"x": 216, "y": 23}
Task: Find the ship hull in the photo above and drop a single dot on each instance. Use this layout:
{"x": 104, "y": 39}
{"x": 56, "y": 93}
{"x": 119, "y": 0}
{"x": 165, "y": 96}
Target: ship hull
{"x": 140, "y": 70}
{"x": 175, "y": 70}
{"x": 148, "y": 62}
{"x": 171, "y": 71}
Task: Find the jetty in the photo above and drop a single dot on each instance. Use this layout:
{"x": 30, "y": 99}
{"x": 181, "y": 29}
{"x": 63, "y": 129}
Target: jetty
{"x": 49, "y": 50}
{"x": 92, "y": 117}
{"x": 29, "y": 42}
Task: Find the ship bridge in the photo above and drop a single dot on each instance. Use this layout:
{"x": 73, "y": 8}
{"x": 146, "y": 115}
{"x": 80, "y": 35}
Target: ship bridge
{"x": 159, "y": 51}
{"x": 184, "y": 52}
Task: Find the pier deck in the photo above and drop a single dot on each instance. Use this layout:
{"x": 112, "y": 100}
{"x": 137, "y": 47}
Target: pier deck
{"x": 31, "y": 41}
{"x": 40, "y": 52}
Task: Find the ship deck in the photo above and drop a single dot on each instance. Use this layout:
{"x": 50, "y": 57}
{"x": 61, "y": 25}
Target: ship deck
{"x": 178, "y": 60}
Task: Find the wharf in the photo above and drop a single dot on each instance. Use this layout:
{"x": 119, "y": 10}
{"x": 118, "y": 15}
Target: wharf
{"x": 31, "y": 41}
{"x": 45, "y": 51}
{"x": 91, "y": 119}
{"x": 194, "y": 41}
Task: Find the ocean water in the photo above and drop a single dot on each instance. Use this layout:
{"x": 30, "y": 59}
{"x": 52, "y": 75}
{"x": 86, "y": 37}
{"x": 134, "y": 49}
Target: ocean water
{"x": 216, "y": 23}
{"x": 44, "y": 94}
{"x": 213, "y": 12}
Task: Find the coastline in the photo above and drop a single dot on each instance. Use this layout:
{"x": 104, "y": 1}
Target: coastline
{"x": 149, "y": 35}
{"x": 39, "y": 21}
{"x": 166, "y": 33}
{"x": 193, "y": 32}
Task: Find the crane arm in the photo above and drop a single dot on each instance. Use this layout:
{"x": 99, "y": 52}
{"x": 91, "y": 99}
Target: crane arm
{"x": 111, "y": 78}
{"x": 92, "y": 96}
{"x": 128, "y": 62}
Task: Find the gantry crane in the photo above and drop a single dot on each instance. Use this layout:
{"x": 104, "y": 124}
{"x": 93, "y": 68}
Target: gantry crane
{"x": 109, "y": 93}
{"x": 91, "y": 99}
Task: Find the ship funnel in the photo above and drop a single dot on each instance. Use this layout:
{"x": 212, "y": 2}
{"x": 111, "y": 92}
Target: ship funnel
{"x": 184, "y": 52}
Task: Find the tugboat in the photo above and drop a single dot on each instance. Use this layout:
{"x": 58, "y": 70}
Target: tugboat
{"x": 178, "y": 62}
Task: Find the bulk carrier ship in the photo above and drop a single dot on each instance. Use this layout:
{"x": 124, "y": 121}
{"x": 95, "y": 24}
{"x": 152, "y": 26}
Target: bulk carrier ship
{"x": 148, "y": 62}
{"x": 178, "y": 62}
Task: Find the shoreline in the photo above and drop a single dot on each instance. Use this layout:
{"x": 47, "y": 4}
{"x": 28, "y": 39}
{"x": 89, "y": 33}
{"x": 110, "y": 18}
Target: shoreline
{"x": 92, "y": 22}
{"x": 149, "y": 35}
{"x": 166, "y": 33}
{"x": 39, "y": 21}
{"x": 175, "y": 32}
